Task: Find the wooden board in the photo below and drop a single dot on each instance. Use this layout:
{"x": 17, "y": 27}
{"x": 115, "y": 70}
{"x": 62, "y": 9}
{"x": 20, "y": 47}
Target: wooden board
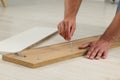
{"x": 51, "y": 54}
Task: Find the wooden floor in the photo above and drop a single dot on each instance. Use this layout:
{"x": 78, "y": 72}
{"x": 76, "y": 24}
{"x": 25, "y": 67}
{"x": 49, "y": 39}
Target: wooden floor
{"x": 93, "y": 18}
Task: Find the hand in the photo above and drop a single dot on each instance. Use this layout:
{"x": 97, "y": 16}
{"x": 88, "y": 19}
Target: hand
{"x": 96, "y": 50}
{"x": 66, "y": 28}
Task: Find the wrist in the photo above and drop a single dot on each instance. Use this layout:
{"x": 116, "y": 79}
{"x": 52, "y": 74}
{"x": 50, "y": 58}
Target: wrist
{"x": 107, "y": 38}
{"x": 103, "y": 40}
{"x": 70, "y": 17}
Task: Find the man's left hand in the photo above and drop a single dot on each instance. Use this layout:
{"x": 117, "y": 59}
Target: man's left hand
{"x": 96, "y": 50}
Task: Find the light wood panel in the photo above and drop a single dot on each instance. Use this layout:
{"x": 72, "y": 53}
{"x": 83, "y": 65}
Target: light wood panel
{"x": 51, "y": 54}
{"x": 24, "y": 40}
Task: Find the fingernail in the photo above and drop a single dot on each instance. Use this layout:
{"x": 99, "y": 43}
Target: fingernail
{"x": 97, "y": 58}
{"x": 91, "y": 57}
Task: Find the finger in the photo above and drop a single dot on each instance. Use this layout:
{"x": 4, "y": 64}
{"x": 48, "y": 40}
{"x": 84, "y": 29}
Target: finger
{"x": 104, "y": 56}
{"x": 93, "y": 53}
{"x": 89, "y": 52}
{"x": 84, "y": 46}
{"x": 99, "y": 54}
{"x": 72, "y": 30}
{"x": 58, "y": 27}
{"x": 67, "y": 31}
{"x": 62, "y": 32}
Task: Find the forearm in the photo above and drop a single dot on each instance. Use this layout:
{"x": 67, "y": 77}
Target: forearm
{"x": 71, "y": 8}
{"x": 113, "y": 31}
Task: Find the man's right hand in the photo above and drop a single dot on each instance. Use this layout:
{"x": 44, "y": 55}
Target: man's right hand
{"x": 66, "y": 28}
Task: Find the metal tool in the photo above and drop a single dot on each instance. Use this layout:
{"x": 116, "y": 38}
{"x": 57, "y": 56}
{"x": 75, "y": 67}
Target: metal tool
{"x": 20, "y": 54}
{"x": 71, "y": 45}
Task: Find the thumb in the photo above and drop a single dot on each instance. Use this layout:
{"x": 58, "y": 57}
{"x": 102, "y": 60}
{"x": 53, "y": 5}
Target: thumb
{"x": 83, "y": 46}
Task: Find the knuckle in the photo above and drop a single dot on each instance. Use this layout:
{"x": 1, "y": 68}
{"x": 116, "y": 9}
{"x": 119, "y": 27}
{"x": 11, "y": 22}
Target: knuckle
{"x": 92, "y": 44}
{"x": 99, "y": 54}
{"x": 101, "y": 51}
{"x": 93, "y": 54}
{"x": 96, "y": 49}
{"x": 91, "y": 49}
{"x": 65, "y": 21}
